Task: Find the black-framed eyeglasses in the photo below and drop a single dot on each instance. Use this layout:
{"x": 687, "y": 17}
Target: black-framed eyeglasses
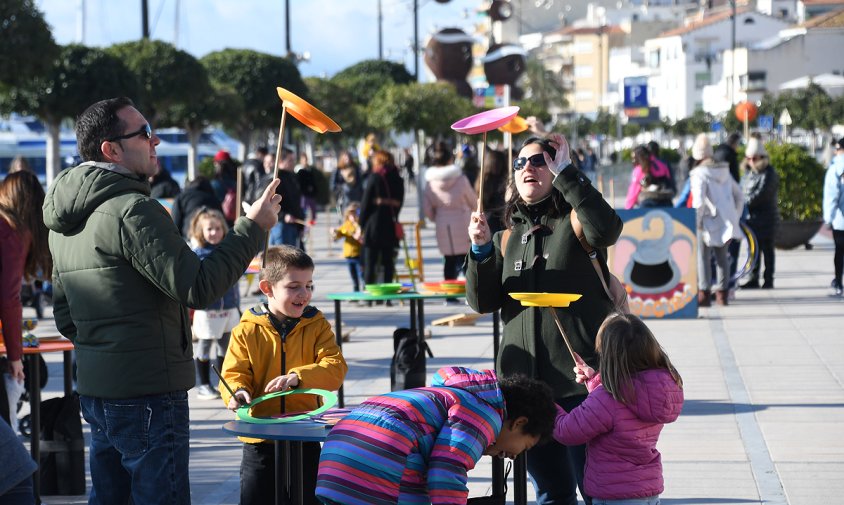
{"x": 537, "y": 160}
{"x": 145, "y": 130}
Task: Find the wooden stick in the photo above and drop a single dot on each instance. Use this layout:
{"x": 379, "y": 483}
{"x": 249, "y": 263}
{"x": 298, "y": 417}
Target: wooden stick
{"x": 275, "y": 173}
{"x": 563, "y": 333}
{"x": 481, "y": 175}
{"x": 239, "y": 186}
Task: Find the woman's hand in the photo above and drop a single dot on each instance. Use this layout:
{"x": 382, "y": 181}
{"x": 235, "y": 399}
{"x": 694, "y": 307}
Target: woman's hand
{"x": 479, "y": 232}
{"x": 282, "y": 383}
{"x": 16, "y": 370}
{"x": 563, "y": 157}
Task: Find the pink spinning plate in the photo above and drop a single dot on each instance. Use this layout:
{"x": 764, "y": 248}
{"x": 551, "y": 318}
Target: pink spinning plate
{"x": 485, "y": 121}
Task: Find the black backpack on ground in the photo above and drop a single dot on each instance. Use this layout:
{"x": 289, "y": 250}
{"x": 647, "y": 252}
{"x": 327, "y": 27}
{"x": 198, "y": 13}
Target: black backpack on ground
{"x": 407, "y": 368}
{"x": 62, "y": 447}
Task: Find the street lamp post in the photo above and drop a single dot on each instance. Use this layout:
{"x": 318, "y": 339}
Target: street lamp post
{"x": 733, "y": 52}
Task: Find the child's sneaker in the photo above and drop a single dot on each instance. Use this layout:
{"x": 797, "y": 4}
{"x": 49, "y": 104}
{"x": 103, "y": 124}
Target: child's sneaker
{"x": 206, "y": 392}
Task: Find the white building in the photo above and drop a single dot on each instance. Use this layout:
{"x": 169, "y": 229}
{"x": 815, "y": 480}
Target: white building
{"x": 810, "y": 49}
{"x": 685, "y": 60}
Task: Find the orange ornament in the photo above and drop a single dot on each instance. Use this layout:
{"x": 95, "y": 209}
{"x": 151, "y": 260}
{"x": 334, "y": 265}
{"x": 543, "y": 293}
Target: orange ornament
{"x": 748, "y": 109}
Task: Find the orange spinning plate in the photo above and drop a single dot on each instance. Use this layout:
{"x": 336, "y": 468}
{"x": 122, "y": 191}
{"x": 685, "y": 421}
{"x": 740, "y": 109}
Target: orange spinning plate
{"x": 309, "y": 115}
{"x": 516, "y": 125}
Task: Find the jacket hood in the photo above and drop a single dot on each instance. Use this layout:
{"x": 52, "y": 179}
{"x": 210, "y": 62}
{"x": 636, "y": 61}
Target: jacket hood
{"x": 719, "y": 172}
{"x": 260, "y": 315}
{"x": 658, "y": 398}
{"x": 483, "y": 384}
{"x": 76, "y": 192}
{"x": 444, "y": 177}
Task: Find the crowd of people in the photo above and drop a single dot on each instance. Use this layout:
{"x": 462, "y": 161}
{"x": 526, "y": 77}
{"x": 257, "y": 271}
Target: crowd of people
{"x": 125, "y": 273}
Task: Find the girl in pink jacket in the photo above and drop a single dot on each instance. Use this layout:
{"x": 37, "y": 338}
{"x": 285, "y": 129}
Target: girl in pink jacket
{"x": 636, "y": 393}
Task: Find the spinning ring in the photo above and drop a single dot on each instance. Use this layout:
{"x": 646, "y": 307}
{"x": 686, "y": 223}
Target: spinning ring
{"x": 329, "y": 399}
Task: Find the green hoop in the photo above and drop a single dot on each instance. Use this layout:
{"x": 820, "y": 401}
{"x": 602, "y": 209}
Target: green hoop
{"x": 329, "y": 399}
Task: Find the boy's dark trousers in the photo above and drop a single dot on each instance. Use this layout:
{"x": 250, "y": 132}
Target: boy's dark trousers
{"x": 258, "y": 475}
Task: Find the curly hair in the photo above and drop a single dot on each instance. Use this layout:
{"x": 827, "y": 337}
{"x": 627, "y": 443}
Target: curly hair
{"x": 532, "y": 399}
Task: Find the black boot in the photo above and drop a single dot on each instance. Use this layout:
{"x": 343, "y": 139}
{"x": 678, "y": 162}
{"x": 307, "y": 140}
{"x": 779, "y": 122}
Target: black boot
{"x": 203, "y": 368}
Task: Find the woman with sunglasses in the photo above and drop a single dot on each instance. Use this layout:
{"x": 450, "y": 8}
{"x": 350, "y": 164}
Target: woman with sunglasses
{"x": 542, "y": 254}
{"x": 761, "y": 185}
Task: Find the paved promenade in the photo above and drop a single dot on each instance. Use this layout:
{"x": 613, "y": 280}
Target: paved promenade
{"x": 764, "y": 381}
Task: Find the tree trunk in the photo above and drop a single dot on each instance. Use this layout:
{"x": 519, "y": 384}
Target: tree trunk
{"x": 52, "y": 155}
{"x": 193, "y": 139}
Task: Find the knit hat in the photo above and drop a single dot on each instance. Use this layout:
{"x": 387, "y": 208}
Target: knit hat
{"x": 222, "y": 155}
{"x": 755, "y": 148}
{"x": 839, "y": 144}
{"x": 701, "y": 149}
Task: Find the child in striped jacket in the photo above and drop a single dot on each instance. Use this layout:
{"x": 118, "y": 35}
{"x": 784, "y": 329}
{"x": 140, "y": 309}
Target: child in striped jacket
{"x": 417, "y": 445}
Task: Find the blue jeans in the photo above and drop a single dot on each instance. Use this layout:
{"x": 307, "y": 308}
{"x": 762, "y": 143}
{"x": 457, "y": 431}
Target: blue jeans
{"x": 355, "y": 271}
{"x": 556, "y": 470}
{"x": 139, "y": 448}
{"x": 651, "y": 500}
{"x": 21, "y": 494}
{"x": 286, "y": 234}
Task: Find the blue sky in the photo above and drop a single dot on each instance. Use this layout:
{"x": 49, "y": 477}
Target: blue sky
{"x": 336, "y": 33}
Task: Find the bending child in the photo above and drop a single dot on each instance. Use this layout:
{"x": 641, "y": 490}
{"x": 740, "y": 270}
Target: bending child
{"x": 279, "y": 345}
{"x": 417, "y": 445}
{"x": 636, "y": 393}
{"x": 212, "y": 325}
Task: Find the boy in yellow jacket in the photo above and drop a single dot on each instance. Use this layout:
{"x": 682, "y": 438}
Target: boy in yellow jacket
{"x": 282, "y": 344}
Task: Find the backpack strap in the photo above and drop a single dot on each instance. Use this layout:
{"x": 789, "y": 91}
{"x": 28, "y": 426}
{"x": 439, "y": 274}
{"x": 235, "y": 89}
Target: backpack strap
{"x": 505, "y": 236}
{"x": 590, "y": 251}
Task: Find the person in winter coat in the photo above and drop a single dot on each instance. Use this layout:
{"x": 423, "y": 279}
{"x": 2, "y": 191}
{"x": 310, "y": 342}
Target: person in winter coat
{"x": 282, "y": 344}
{"x": 650, "y": 184}
{"x": 383, "y": 197}
{"x": 24, "y": 254}
{"x": 761, "y": 184}
{"x": 719, "y": 201}
{"x": 211, "y": 325}
{"x": 543, "y": 254}
{"x": 123, "y": 279}
{"x": 833, "y": 211}
{"x": 448, "y": 201}
{"x": 346, "y": 183}
{"x": 198, "y": 194}
{"x": 726, "y": 153}
{"x": 637, "y": 391}
{"x": 162, "y": 184}
{"x": 417, "y": 445}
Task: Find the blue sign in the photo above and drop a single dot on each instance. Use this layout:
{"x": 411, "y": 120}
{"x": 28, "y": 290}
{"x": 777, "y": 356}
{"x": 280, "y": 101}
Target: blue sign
{"x": 717, "y": 126}
{"x": 766, "y": 123}
{"x": 635, "y": 92}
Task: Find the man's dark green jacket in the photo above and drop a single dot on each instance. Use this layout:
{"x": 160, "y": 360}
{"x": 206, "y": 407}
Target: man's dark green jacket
{"x": 124, "y": 277}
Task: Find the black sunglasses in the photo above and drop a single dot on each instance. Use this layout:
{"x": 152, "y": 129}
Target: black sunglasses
{"x": 537, "y": 160}
{"x": 145, "y": 130}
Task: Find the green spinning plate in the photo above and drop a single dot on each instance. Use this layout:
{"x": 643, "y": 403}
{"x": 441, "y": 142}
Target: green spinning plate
{"x": 329, "y": 399}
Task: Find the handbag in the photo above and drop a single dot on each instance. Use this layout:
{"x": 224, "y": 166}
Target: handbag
{"x": 397, "y": 226}
{"x": 614, "y": 289}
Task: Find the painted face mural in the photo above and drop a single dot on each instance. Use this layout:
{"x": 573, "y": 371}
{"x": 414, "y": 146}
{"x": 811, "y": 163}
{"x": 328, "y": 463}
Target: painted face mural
{"x": 656, "y": 259}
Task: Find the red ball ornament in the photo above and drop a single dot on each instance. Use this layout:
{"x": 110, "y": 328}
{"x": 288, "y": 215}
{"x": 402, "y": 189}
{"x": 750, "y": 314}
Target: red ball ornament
{"x": 747, "y": 109}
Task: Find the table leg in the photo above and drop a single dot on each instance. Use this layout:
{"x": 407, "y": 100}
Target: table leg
{"x": 68, "y": 373}
{"x": 282, "y": 472}
{"x": 338, "y": 328}
{"x": 413, "y": 314}
{"x": 498, "y": 477}
{"x": 296, "y": 474}
{"x": 34, "y": 373}
{"x": 420, "y": 314}
{"x": 520, "y": 480}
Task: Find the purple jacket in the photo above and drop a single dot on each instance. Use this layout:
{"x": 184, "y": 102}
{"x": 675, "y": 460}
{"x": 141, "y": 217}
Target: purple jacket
{"x": 621, "y": 456}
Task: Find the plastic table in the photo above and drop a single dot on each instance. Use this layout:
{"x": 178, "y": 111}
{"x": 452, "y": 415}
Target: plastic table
{"x": 30, "y": 358}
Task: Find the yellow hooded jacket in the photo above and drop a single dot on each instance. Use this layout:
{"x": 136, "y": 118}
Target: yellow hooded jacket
{"x": 255, "y": 354}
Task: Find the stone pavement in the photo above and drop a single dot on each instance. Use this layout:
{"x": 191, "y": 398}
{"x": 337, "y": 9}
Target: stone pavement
{"x": 764, "y": 382}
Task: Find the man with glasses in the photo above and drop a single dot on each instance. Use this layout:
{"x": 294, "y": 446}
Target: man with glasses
{"x": 123, "y": 279}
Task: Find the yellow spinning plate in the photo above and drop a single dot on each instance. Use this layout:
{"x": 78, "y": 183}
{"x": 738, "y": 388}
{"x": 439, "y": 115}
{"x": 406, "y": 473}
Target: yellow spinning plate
{"x": 546, "y": 299}
{"x": 306, "y": 113}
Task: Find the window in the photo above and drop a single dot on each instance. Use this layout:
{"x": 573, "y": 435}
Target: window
{"x": 653, "y": 59}
{"x": 583, "y": 71}
{"x": 584, "y": 94}
{"x": 582, "y": 47}
{"x": 702, "y": 79}
{"x": 753, "y": 81}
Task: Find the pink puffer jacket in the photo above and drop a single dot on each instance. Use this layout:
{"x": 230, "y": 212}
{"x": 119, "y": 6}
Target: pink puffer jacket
{"x": 621, "y": 456}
